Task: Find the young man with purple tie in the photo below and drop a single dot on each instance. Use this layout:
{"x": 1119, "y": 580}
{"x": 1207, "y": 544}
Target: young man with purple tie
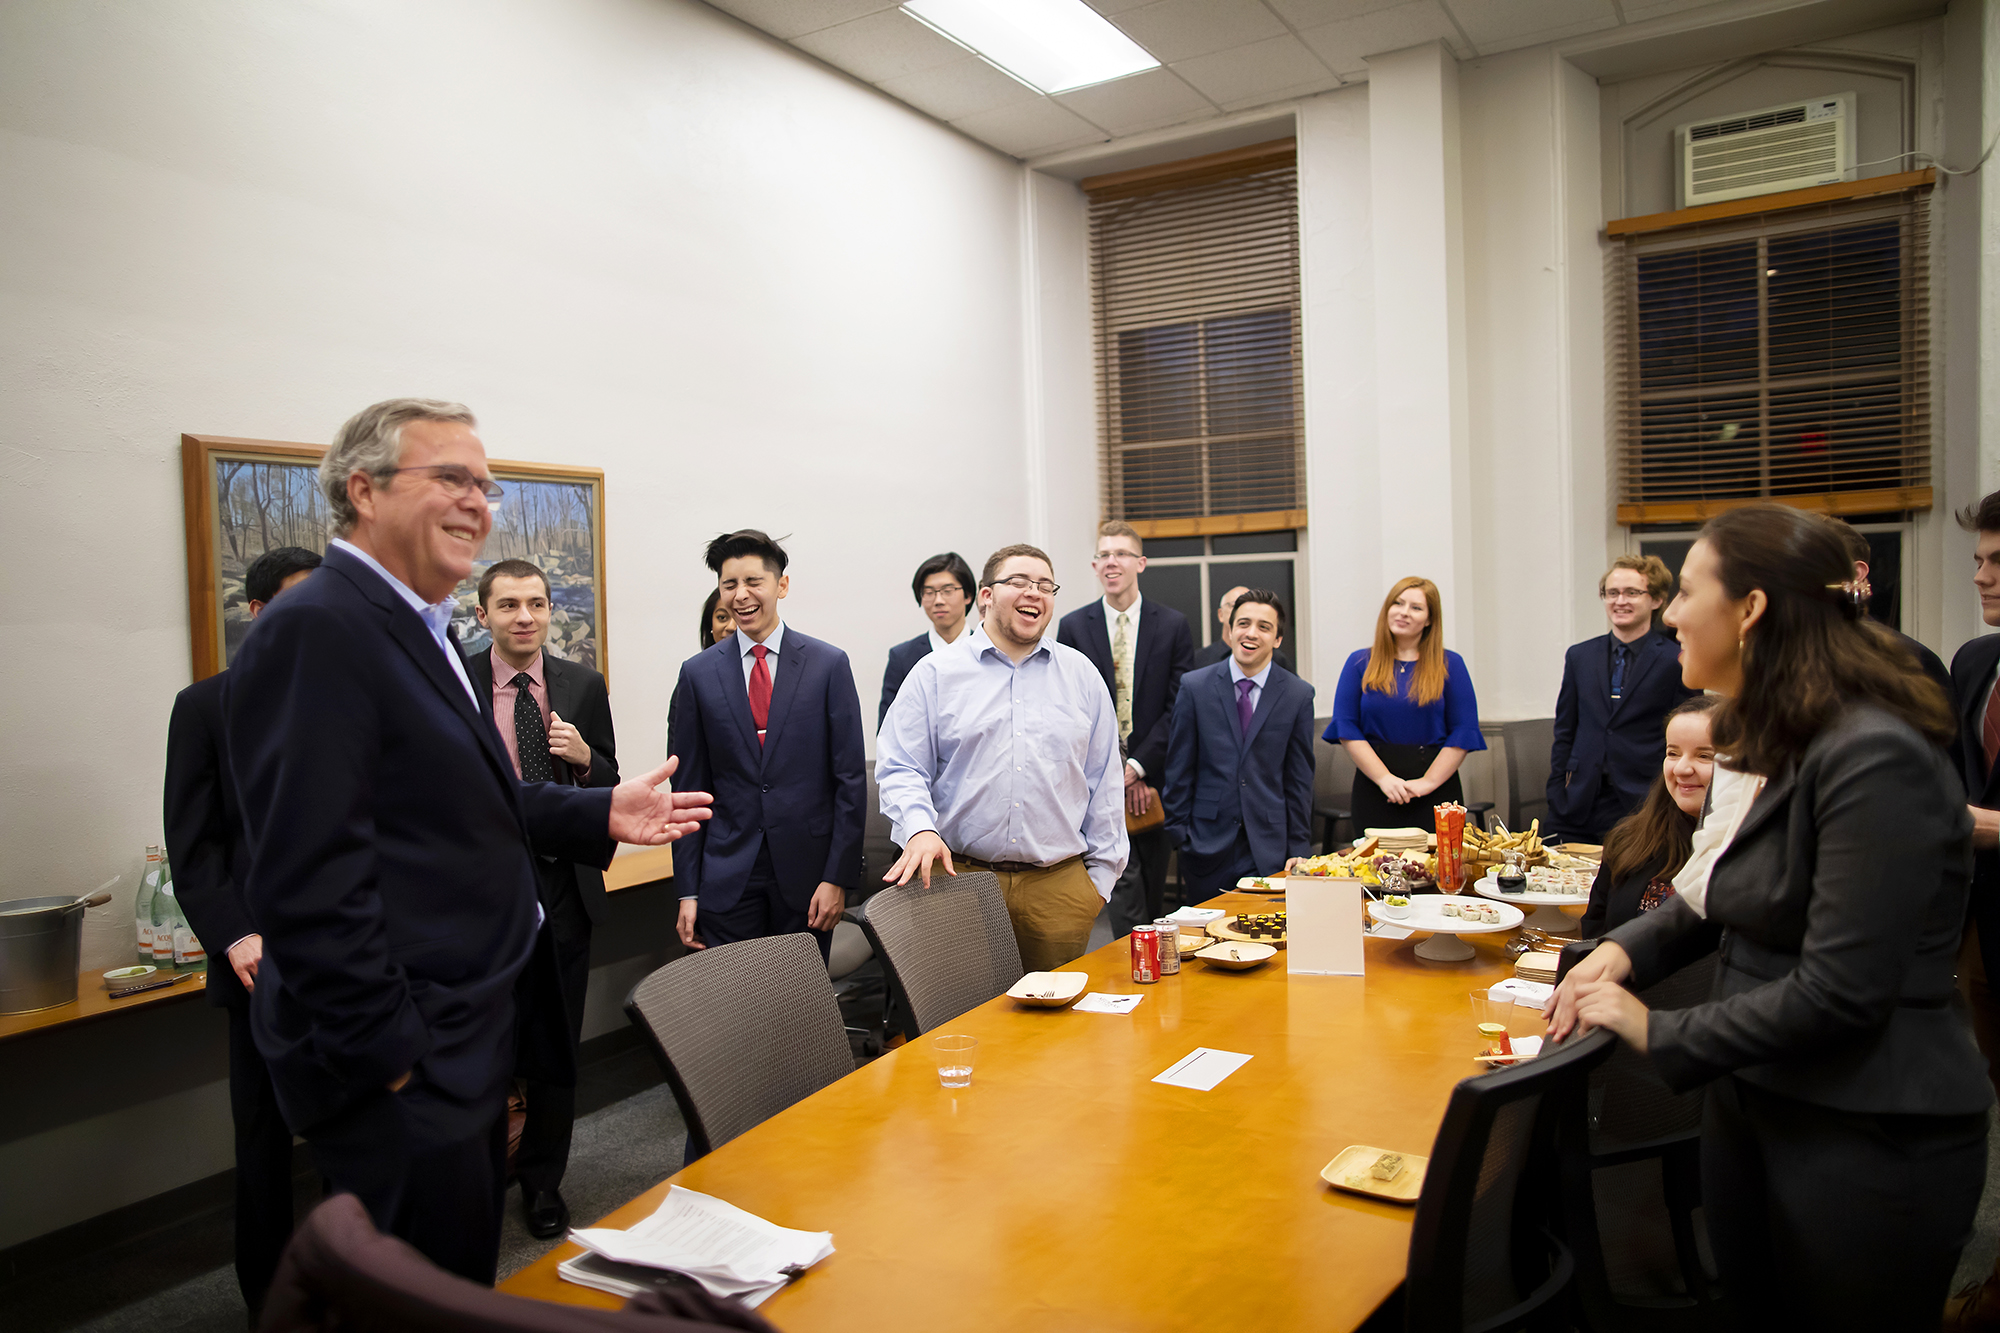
{"x": 772, "y": 717}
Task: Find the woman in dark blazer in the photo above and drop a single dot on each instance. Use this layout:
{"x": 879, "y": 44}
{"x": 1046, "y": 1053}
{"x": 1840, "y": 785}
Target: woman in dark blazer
{"x": 1844, "y": 1136}
{"x": 1648, "y": 847}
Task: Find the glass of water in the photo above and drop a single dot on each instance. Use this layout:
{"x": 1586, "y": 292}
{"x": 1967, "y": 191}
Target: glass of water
{"x": 954, "y": 1059}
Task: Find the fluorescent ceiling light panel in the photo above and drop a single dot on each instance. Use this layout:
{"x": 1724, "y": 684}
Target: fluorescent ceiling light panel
{"x": 1050, "y": 45}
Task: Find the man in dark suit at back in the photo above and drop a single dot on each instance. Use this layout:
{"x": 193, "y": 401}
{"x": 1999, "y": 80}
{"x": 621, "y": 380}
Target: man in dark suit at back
{"x": 1142, "y": 649}
{"x": 205, "y": 844}
{"x": 554, "y": 720}
{"x": 770, "y": 720}
{"x": 1617, "y": 689}
{"x": 943, "y": 586}
{"x": 1239, "y": 779}
{"x": 1219, "y": 650}
{"x": 392, "y": 870}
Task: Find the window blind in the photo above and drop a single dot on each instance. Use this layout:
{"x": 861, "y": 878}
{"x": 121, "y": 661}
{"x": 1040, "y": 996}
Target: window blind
{"x": 1195, "y": 279}
{"x": 1782, "y": 355}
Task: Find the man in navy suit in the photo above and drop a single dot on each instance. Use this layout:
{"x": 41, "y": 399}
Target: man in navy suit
{"x": 1239, "y": 777}
{"x": 943, "y": 586}
{"x": 1220, "y": 649}
{"x": 770, "y": 720}
{"x": 1611, "y": 712}
{"x": 392, "y": 848}
{"x": 1142, "y": 649}
{"x": 205, "y": 845}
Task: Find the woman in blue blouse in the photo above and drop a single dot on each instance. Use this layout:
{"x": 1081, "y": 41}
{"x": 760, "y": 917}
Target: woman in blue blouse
{"x": 1405, "y": 711}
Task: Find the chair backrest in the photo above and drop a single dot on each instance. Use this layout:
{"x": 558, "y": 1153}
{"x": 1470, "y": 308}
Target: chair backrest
{"x": 878, "y": 848}
{"x": 1528, "y": 743}
{"x": 1630, "y": 1107}
{"x": 743, "y": 1030}
{"x": 945, "y": 949}
{"x": 1480, "y": 1254}
{"x": 340, "y": 1275}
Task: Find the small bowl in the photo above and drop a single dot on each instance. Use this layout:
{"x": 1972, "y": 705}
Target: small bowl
{"x": 125, "y": 976}
{"x": 1393, "y": 911}
{"x": 1237, "y": 955}
{"x": 1049, "y": 990}
{"x": 1192, "y": 944}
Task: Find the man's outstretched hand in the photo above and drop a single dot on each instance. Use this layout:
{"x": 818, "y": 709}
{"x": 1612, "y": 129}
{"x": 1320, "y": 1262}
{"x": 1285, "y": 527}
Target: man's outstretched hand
{"x": 923, "y": 849}
{"x": 645, "y": 813}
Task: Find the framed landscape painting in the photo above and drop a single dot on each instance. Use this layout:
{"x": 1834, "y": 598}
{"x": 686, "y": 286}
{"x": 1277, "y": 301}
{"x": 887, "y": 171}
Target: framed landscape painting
{"x": 245, "y": 497}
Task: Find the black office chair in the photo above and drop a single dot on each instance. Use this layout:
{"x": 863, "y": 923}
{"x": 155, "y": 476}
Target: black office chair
{"x": 1332, "y": 816}
{"x": 1482, "y": 1256}
{"x": 945, "y": 949}
{"x": 1479, "y": 810}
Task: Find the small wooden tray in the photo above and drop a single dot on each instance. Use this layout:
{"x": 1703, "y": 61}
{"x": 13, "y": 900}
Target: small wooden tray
{"x": 1224, "y": 928}
{"x": 1355, "y": 1161}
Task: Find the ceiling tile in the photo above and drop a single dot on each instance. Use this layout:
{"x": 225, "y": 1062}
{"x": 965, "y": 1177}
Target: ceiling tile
{"x": 795, "y": 18}
{"x": 1138, "y": 102}
{"x": 1180, "y": 29}
{"x": 1346, "y": 45}
{"x": 882, "y": 46}
{"x": 1115, "y": 6}
{"x": 1303, "y": 14}
{"x": 967, "y": 88}
{"x": 1033, "y": 127}
{"x": 1637, "y": 10}
{"x": 1502, "y": 25}
{"x": 1254, "y": 72}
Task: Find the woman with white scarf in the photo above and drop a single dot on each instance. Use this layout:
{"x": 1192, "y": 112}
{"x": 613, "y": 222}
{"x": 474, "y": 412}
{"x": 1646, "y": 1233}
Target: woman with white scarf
{"x": 1844, "y": 1137}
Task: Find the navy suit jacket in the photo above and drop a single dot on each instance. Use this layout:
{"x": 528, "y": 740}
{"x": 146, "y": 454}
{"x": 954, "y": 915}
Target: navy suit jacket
{"x": 1218, "y": 781}
{"x": 901, "y": 658}
{"x": 205, "y": 833}
{"x": 578, "y": 696}
{"x": 803, "y": 793}
{"x": 1606, "y": 747}
{"x": 1160, "y": 658}
{"x": 391, "y": 853}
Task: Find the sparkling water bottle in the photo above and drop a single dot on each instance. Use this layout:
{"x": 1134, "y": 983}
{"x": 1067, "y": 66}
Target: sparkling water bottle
{"x": 142, "y": 902}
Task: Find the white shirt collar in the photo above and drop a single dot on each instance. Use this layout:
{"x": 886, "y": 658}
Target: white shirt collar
{"x": 428, "y": 610}
{"x": 1111, "y": 613}
{"x": 776, "y": 642}
{"x": 1259, "y": 680}
{"x": 938, "y": 643}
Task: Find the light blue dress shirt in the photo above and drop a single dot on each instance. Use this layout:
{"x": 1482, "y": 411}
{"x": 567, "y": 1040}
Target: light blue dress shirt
{"x": 436, "y": 618}
{"x": 1006, "y": 762}
{"x": 1256, "y": 681}
{"x": 776, "y": 643}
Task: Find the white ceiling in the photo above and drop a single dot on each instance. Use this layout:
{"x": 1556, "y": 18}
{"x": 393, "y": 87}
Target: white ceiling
{"x": 1218, "y": 57}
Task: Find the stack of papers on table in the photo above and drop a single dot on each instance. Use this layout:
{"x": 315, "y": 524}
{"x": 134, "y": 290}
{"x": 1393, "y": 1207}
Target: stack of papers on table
{"x": 728, "y": 1251}
{"x": 1194, "y": 916}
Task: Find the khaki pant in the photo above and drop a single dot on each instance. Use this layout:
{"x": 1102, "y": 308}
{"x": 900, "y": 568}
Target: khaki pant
{"x": 1052, "y": 908}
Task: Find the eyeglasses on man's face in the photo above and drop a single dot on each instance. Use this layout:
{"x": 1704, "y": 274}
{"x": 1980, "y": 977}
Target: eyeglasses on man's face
{"x": 1022, "y": 583}
{"x": 1122, "y": 557}
{"x": 456, "y": 479}
{"x": 945, "y": 592}
{"x": 1624, "y": 594}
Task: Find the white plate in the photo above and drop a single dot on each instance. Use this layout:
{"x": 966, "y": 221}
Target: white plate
{"x": 1237, "y": 955}
{"x": 1424, "y": 915}
{"x": 1049, "y": 990}
{"x": 1489, "y": 887}
{"x": 1269, "y": 883}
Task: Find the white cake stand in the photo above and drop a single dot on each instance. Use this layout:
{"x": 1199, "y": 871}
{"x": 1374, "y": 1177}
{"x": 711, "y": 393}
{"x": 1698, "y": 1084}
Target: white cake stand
{"x": 1444, "y": 946}
{"x": 1547, "y": 918}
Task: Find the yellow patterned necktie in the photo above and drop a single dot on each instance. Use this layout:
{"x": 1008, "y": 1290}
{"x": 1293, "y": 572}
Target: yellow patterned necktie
{"x": 1121, "y": 673}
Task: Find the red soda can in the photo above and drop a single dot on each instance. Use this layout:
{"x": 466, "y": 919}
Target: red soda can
{"x": 1146, "y": 953}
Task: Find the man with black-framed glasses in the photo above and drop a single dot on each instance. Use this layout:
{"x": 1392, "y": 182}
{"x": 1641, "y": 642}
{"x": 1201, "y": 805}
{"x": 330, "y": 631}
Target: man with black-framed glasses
{"x": 1020, "y": 775}
{"x": 943, "y": 588}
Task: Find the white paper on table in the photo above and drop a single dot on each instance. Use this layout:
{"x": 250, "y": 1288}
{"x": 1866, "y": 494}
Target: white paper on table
{"x": 1195, "y": 916}
{"x": 1323, "y": 927}
{"x": 1099, "y": 1003}
{"x": 704, "y": 1237}
{"x": 1535, "y": 993}
{"x": 1201, "y": 1069}
{"x": 1386, "y": 931}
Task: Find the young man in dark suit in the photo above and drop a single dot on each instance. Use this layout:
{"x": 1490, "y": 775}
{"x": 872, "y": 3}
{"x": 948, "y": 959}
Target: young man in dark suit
{"x": 1142, "y": 649}
{"x": 392, "y": 849}
{"x": 554, "y": 720}
{"x": 205, "y": 845}
{"x": 1220, "y": 649}
{"x": 770, "y": 720}
{"x": 1239, "y": 777}
{"x": 943, "y": 587}
{"x": 1617, "y": 689}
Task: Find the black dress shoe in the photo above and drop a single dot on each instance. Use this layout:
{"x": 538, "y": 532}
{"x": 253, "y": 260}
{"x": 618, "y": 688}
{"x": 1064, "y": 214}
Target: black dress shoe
{"x": 548, "y": 1215}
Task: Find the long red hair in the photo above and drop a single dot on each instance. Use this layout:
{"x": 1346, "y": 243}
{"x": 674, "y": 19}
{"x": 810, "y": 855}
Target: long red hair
{"x": 1428, "y": 687}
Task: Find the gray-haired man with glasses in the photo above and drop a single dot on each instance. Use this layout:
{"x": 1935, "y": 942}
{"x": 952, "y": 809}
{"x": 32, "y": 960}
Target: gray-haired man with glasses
{"x": 1002, "y": 752}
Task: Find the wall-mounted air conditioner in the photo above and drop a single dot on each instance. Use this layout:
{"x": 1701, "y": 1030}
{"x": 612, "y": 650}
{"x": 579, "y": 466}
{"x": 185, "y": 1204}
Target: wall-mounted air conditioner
{"x": 1761, "y": 152}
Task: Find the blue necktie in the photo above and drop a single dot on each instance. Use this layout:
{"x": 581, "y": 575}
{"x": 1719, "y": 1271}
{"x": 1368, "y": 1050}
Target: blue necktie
{"x": 1619, "y": 652}
{"x": 1244, "y": 711}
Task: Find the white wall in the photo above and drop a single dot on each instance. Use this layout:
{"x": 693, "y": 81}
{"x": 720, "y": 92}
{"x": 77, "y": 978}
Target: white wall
{"x": 629, "y": 233}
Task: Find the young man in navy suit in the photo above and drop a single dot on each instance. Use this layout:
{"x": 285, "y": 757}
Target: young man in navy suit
{"x": 1611, "y": 712}
{"x": 392, "y": 848}
{"x": 1239, "y": 776}
{"x": 943, "y": 587}
{"x": 1142, "y": 649}
{"x": 770, "y": 720}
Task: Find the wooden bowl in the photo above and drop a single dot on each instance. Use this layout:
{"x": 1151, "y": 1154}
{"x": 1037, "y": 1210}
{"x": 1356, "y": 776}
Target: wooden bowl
{"x": 1237, "y": 956}
{"x": 1049, "y": 990}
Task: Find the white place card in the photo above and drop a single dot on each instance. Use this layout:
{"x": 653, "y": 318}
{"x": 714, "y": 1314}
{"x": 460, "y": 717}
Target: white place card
{"x": 1097, "y": 1002}
{"x": 1201, "y": 1069}
{"x": 1195, "y": 916}
{"x": 1323, "y": 927}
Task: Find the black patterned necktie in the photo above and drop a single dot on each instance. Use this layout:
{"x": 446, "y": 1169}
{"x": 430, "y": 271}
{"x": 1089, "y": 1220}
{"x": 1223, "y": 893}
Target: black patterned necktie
{"x": 531, "y": 738}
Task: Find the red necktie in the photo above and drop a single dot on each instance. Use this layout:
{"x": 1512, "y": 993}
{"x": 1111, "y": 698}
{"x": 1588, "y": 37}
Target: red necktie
{"x": 760, "y": 691}
{"x": 1990, "y": 731}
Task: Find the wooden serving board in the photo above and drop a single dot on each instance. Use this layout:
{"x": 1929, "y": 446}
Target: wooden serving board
{"x": 1224, "y": 928}
{"x": 1355, "y": 1161}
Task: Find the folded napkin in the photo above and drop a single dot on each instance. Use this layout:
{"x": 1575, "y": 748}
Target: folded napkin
{"x": 1534, "y": 993}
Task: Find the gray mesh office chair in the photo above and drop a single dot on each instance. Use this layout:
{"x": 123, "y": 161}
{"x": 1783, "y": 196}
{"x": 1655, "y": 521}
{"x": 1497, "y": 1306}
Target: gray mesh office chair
{"x": 945, "y": 949}
{"x": 743, "y": 1031}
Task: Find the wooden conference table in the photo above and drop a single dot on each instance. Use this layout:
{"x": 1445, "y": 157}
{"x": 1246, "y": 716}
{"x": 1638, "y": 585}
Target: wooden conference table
{"x": 1065, "y": 1190}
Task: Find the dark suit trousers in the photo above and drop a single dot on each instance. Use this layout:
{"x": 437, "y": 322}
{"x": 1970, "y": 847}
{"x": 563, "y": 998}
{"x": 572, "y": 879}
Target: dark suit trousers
{"x": 760, "y": 911}
{"x": 1827, "y": 1219}
{"x": 263, "y": 1164}
{"x": 1140, "y": 895}
{"x": 1207, "y": 878}
{"x": 551, "y": 1107}
{"x": 435, "y": 1187}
